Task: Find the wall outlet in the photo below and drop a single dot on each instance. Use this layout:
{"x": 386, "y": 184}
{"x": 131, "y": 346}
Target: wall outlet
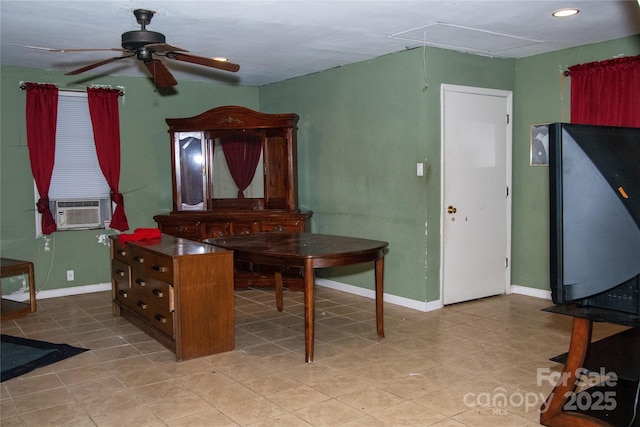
{"x": 70, "y": 275}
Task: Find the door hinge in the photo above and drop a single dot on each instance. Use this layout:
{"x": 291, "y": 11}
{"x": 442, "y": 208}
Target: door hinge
{"x": 506, "y": 263}
{"x": 507, "y": 191}
{"x": 507, "y": 119}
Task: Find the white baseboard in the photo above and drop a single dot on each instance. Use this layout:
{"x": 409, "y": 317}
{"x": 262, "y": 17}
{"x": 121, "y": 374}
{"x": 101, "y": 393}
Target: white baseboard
{"x": 369, "y": 293}
{"x": 420, "y": 305}
{"x": 62, "y": 292}
{"x": 424, "y": 306}
{"x": 531, "y": 292}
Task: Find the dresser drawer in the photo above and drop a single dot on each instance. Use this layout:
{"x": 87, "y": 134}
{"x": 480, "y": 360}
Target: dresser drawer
{"x": 243, "y": 228}
{"x": 280, "y": 226}
{"x": 139, "y": 280}
{"x": 159, "y": 267}
{"x": 119, "y": 252}
{"x": 137, "y": 259}
{"x": 161, "y": 306}
{"x": 140, "y": 302}
{"x": 121, "y": 276}
{"x": 151, "y": 265}
{"x": 214, "y": 229}
{"x": 153, "y": 300}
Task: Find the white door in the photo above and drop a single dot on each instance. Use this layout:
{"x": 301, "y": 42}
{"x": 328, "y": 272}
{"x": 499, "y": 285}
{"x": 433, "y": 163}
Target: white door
{"x": 476, "y": 177}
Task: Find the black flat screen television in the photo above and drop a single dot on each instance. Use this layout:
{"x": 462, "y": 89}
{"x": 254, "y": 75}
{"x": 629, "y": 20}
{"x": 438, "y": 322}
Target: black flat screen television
{"x": 594, "y": 183}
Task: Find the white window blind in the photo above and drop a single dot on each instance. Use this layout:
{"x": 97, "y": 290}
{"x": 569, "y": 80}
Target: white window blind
{"x": 76, "y": 172}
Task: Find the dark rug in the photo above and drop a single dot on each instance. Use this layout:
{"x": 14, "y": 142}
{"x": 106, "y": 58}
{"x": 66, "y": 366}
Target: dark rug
{"x": 21, "y": 355}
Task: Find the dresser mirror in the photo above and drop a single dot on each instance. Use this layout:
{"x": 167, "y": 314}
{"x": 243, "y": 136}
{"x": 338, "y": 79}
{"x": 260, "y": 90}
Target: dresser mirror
{"x": 204, "y": 162}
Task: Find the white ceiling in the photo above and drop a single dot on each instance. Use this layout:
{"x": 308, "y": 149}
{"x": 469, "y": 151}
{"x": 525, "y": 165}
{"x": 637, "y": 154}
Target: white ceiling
{"x": 278, "y": 40}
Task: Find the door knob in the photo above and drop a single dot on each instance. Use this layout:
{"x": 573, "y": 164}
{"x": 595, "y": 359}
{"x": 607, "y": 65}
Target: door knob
{"x": 451, "y": 210}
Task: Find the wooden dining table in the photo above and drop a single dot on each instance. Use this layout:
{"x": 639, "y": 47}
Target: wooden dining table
{"x": 309, "y": 251}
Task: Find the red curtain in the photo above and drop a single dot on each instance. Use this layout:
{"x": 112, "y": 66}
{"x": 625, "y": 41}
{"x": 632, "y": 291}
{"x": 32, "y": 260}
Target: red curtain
{"x": 103, "y": 108}
{"x": 42, "y": 116}
{"x": 242, "y": 153}
{"x": 606, "y": 92}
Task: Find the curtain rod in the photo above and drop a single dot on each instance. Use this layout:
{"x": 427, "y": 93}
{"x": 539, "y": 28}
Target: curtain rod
{"x": 22, "y": 86}
{"x": 567, "y": 73}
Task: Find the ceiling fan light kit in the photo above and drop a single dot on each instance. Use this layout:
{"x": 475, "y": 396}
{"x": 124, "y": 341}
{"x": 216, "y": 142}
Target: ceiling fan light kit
{"x": 146, "y": 46}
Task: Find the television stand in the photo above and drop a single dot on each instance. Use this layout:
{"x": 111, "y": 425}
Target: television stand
{"x": 612, "y": 403}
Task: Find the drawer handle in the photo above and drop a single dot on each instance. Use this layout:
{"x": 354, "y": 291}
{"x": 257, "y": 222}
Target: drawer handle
{"x": 279, "y": 228}
{"x": 141, "y": 282}
{"x": 139, "y": 259}
{"x": 159, "y": 268}
{"x": 158, "y": 293}
{"x": 120, "y": 273}
{"x": 123, "y": 294}
{"x": 160, "y": 318}
{"x": 142, "y": 305}
{"x": 121, "y": 252}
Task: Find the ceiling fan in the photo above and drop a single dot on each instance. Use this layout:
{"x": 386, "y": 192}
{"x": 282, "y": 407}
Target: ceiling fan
{"x": 147, "y": 46}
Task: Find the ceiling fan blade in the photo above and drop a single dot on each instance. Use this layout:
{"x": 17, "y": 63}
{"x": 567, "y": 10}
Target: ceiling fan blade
{"x": 111, "y": 49}
{"x": 207, "y": 62}
{"x": 48, "y": 49}
{"x": 161, "y": 74}
{"x": 95, "y": 65}
{"x": 163, "y": 47}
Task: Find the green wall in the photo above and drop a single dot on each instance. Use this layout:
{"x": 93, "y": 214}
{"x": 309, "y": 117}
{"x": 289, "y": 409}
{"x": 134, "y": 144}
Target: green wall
{"x": 363, "y": 127}
{"x": 145, "y": 171}
{"x": 542, "y": 95}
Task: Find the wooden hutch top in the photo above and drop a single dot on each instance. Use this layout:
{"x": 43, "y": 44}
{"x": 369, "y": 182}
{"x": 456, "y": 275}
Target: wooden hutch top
{"x": 208, "y": 200}
{"x": 233, "y": 117}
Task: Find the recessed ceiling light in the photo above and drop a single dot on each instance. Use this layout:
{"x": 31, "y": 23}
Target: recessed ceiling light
{"x": 221, "y": 59}
{"x": 563, "y": 13}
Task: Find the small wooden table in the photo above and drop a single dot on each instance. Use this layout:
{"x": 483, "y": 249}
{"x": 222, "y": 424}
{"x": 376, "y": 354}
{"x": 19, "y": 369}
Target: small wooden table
{"x": 309, "y": 251}
{"x": 14, "y": 267}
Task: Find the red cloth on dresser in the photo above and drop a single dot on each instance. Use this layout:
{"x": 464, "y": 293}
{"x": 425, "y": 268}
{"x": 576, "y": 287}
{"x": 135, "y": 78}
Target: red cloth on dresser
{"x": 140, "y": 234}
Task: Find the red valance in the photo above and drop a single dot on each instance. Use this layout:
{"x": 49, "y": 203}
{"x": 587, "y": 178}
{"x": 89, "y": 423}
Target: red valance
{"x": 606, "y": 92}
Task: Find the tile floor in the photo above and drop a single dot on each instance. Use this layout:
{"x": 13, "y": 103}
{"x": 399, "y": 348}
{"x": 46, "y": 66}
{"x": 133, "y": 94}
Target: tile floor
{"x": 449, "y": 367}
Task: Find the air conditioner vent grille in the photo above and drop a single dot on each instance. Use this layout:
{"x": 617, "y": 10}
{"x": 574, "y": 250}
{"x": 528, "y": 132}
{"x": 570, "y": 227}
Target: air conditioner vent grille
{"x": 78, "y": 203}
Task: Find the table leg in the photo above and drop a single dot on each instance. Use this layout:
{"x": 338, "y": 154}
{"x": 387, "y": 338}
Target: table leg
{"x": 278, "y": 280}
{"x": 380, "y": 297}
{"x": 308, "y": 310}
{"x": 32, "y": 288}
{"x": 551, "y": 412}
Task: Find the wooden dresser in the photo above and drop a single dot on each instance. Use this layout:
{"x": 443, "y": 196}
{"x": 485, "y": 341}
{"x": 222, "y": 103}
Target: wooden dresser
{"x": 207, "y": 199}
{"x": 219, "y": 223}
{"x": 178, "y": 291}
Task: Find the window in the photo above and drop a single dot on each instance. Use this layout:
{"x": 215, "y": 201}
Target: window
{"x": 79, "y": 194}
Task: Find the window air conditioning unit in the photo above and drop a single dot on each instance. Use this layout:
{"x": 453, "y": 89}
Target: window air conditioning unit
{"x": 77, "y": 214}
